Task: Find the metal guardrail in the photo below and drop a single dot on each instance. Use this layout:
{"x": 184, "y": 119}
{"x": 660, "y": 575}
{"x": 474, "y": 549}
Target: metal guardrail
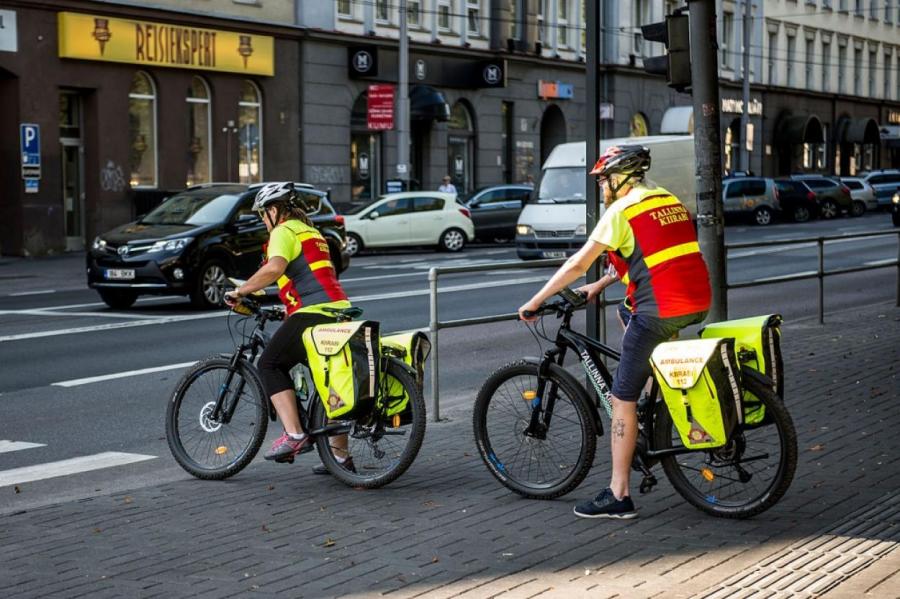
{"x": 434, "y": 273}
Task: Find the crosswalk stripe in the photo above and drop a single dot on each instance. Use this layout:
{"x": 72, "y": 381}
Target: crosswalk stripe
{"x": 99, "y": 461}
{"x": 7, "y": 446}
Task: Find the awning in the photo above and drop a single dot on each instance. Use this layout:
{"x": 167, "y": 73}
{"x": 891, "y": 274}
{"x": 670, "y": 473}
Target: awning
{"x": 427, "y": 104}
{"x": 857, "y": 131}
{"x": 678, "y": 119}
{"x": 890, "y": 135}
{"x": 800, "y": 130}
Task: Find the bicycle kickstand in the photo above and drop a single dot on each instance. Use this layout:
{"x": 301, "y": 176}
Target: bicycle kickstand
{"x": 649, "y": 481}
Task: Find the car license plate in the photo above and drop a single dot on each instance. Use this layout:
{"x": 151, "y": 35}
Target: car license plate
{"x": 120, "y": 274}
{"x": 553, "y": 254}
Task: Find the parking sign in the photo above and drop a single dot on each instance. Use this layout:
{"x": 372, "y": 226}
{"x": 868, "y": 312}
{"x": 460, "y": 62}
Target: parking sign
{"x": 30, "y": 147}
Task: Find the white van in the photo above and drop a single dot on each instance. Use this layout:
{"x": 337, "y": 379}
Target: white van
{"x": 552, "y": 223}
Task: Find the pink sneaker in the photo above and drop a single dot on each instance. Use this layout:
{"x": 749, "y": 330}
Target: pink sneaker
{"x": 286, "y": 447}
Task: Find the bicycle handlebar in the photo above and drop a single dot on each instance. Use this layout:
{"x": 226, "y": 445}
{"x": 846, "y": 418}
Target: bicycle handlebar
{"x": 571, "y": 299}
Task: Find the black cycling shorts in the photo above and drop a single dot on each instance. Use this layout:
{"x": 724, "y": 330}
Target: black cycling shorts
{"x": 285, "y": 350}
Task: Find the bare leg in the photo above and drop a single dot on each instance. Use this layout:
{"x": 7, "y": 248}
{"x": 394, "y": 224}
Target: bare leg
{"x": 285, "y": 403}
{"x": 622, "y": 440}
{"x": 339, "y": 446}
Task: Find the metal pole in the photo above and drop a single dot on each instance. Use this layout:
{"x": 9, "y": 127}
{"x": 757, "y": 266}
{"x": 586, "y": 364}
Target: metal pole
{"x": 745, "y": 109}
{"x": 898, "y": 270}
{"x": 433, "y": 329}
{"x": 821, "y": 245}
{"x": 592, "y": 144}
{"x": 403, "y": 103}
{"x": 708, "y": 149}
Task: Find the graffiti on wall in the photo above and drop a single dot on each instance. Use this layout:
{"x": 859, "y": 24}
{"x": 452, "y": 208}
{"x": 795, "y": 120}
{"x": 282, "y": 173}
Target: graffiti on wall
{"x": 111, "y": 177}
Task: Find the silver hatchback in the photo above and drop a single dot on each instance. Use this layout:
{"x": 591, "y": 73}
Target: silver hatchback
{"x": 755, "y": 197}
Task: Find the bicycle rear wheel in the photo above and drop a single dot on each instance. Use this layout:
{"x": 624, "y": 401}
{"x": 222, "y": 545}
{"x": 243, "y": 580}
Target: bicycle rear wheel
{"x": 538, "y": 468}
{"x": 749, "y": 474}
{"x": 381, "y": 447}
{"x": 210, "y": 448}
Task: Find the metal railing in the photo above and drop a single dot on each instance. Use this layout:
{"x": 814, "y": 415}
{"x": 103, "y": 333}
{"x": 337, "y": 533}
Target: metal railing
{"x": 434, "y": 273}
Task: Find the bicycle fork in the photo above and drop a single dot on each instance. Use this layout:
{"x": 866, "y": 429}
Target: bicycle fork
{"x": 546, "y": 389}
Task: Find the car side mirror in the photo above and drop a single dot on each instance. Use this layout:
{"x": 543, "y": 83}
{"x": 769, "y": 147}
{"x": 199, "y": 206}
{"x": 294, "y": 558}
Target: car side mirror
{"x": 474, "y": 203}
{"x": 248, "y": 219}
{"x": 373, "y": 215}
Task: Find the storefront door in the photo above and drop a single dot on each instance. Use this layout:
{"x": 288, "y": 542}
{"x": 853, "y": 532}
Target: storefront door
{"x": 73, "y": 192}
{"x": 365, "y": 167}
{"x": 459, "y": 155}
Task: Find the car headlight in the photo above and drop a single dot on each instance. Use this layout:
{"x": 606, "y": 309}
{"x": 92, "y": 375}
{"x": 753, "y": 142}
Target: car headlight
{"x": 896, "y": 198}
{"x": 99, "y": 244}
{"x": 171, "y": 245}
{"x": 524, "y": 230}
{"x": 581, "y": 230}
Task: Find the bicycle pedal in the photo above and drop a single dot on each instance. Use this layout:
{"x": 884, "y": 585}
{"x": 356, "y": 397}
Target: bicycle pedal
{"x": 647, "y": 484}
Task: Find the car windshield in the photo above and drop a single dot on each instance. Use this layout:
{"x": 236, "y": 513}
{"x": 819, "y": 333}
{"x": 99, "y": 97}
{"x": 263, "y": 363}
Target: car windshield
{"x": 192, "y": 209}
{"x": 361, "y": 207}
{"x": 561, "y": 186}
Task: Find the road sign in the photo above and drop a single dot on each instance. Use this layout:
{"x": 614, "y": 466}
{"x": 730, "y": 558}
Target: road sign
{"x": 30, "y": 150}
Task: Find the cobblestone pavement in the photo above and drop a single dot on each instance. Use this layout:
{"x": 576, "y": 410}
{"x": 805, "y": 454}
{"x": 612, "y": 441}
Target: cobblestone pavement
{"x": 447, "y": 529}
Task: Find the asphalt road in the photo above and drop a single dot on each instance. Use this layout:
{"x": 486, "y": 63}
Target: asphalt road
{"x": 72, "y": 384}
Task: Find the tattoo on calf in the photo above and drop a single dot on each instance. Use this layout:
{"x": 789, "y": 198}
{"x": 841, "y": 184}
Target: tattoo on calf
{"x": 619, "y": 428}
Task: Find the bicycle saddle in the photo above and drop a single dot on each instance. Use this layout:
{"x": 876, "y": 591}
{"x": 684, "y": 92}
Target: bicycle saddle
{"x": 345, "y": 313}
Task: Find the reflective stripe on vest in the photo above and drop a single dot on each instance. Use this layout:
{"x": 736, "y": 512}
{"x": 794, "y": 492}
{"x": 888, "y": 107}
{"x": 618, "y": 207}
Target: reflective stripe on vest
{"x": 665, "y": 274}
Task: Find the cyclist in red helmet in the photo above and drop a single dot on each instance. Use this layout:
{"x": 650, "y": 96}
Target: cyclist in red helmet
{"x": 652, "y": 246}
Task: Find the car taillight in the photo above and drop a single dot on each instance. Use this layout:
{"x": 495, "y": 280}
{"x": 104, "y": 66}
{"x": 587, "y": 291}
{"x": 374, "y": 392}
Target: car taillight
{"x": 339, "y": 219}
{"x": 810, "y": 196}
{"x": 845, "y": 189}
{"x": 777, "y": 194}
{"x": 465, "y": 212}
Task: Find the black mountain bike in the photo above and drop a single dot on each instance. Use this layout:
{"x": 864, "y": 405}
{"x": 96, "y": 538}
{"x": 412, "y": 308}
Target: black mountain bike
{"x": 536, "y": 428}
{"x": 218, "y": 415}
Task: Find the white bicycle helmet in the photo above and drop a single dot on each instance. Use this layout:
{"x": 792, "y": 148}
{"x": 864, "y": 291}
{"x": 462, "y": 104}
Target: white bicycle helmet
{"x": 275, "y": 192}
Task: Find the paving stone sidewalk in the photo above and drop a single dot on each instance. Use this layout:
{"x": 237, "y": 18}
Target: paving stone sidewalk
{"x": 447, "y": 529}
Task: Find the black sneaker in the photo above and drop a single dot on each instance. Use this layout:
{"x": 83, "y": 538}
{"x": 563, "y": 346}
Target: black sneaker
{"x": 605, "y": 505}
{"x": 321, "y": 469}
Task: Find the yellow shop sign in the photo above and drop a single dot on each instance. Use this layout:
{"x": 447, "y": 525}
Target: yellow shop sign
{"x": 90, "y": 37}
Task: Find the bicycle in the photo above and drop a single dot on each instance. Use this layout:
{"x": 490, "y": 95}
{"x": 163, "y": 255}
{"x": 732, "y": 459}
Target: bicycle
{"x": 536, "y": 428}
{"x": 218, "y": 415}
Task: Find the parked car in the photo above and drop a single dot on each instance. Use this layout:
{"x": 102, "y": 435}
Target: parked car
{"x": 495, "y": 210}
{"x": 798, "y": 202}
{"x": 190, "y": 243}
{"x": 862, "y": 194}
{"x": 832, "y": 195}
{"x": 895, "y": 209}
{"x": 410, "y": 218}
{"x": 755, "y": 197}
{"x": 885, "y": 183}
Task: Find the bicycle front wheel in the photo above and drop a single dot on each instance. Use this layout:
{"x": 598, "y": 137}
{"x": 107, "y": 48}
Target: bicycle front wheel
{"x": 745, "y": 477}
{"x": 374, "y": 450}
{"x": 209, "y": 446}
{"x": 543, "y": 466}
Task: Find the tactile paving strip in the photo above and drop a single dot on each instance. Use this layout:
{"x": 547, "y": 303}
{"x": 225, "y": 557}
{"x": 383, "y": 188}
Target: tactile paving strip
{"x": 813, "y": 566}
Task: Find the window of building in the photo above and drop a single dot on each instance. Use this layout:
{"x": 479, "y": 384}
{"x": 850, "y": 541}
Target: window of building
{"x": 822, "y": 149}
{"x": 810, "y": 77}
{"x": 562, "y": 22}
{"x": 199, "y": 132}
{"x": 365, "y": 155}
{"x": 858, "y": 8}
{"x": 888, "y": 13}
{"x": 857, "y": 71}
{"x": 345, "y": 8}
{"x": 461, "y": 148}
{"x": 414, "y": 13}
{"x": 888, "y": 70}
{"x": 826, "y": 66}
{"x": 142, "y": 131}
{"x": 842, "y": 62}
{"x": 843, "y": 6}
{"x": 873, "y": 9}
{"x": 250, "y": 141}
{"x": 443, "y": 15}
{"x": 382, "y": 12}
{"x": 542, "y": 21}
{"x": 791, "y": 45}
{"x": 773, "y": 53}
{"x": 873, "y": 72}
{"x": 515, "y": 13}
{"x": 727, "y": 38}
{"x": 473, "y": 16}
{"x": 639, "y": 17}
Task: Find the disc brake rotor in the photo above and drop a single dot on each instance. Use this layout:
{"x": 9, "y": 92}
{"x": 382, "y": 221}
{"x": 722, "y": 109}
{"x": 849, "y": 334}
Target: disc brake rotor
{"x": 206, "y": 423}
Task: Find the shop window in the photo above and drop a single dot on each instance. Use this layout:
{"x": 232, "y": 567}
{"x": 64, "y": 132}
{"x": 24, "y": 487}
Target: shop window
{"x": 365, "y": 155}
{"x": 638, "y": 125}
{"x": 142, "y": 131}
{"x": 199, "y": 133}
{"x": 250, "y": 140}
{"x": 461, "y": 148}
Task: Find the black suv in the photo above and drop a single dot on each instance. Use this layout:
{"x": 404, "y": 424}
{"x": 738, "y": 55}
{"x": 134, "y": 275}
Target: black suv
{"x": 192, "y": 241}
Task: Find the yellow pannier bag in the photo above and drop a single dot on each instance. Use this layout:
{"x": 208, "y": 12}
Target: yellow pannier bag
{"x": 699, "y": 382}
{"x": 757, "y": 344}
{"x": 344, "y": 361}
{"x": 413, "y": 349}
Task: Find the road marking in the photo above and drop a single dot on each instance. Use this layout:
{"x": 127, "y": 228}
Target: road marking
{"x": 379, "y": 277}
{"x": 877, "y": 262}
{"x": 788, "y": 276}
{"x": 7, "y": 446}
{"x": 24, "y": 293}
{"x": 37, "y": 312}
{"x": 96, "y": 304}
{"x": 121, "y": 375}
{"x": 107, "y": 459}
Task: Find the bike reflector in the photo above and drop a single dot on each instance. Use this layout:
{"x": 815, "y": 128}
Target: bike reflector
{"x": 699, "y": 383}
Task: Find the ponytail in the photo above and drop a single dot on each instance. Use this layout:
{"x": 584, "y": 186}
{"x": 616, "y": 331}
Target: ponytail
{"x": 288, "y": 211}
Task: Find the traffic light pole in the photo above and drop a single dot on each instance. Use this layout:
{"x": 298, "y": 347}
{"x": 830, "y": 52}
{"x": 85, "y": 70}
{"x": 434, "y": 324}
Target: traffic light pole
{"x": 707, "y": 146}
{"x": 403, "y": 101}
{"x": 592, "y": 145}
